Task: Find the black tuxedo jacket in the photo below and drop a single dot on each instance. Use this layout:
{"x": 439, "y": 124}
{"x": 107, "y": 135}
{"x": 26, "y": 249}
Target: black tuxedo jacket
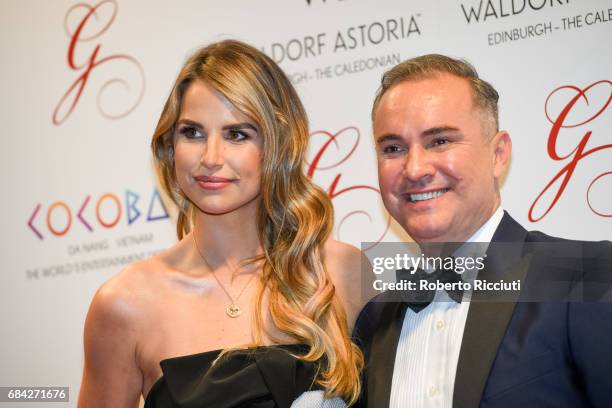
{"x": 514, "y": 354}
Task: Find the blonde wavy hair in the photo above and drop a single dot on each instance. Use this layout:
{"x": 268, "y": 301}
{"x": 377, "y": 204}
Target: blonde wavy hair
{"x": 295, "y": 217}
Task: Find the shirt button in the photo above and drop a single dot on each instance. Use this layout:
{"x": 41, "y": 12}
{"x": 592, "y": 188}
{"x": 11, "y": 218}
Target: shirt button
{"x": 433, "y": 391}
{"x": 440, "y": 324}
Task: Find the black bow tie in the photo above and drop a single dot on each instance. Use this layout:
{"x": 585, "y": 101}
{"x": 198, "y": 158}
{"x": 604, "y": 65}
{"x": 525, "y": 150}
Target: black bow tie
{"x": 418, "y": 299}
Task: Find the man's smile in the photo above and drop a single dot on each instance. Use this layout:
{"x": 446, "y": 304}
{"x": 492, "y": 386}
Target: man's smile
{"x": 428, "y": 195}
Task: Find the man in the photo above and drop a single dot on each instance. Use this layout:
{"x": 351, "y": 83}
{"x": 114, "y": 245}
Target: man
{"x": 441, "y": 158}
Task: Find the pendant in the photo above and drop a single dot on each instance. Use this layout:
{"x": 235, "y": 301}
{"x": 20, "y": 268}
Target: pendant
{"x": 233, "y": 310}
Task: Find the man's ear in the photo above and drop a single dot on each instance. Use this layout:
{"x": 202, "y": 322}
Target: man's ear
{"x": 502, "y": 150}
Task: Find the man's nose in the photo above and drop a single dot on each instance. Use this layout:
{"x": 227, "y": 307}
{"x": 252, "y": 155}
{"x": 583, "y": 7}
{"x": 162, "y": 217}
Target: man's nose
{"x": 418, "y": 166}
{"x": 212, "y": 156}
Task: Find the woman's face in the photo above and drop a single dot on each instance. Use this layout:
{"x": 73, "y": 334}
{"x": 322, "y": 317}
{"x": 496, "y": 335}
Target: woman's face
{"x": 217, "y": 152}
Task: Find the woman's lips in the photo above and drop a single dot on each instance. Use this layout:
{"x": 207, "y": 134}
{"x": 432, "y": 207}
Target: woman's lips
{"x": 212, "y": 183}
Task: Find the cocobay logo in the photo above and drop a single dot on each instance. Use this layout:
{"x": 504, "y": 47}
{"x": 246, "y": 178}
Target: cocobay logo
{"x": 92, "y": 213}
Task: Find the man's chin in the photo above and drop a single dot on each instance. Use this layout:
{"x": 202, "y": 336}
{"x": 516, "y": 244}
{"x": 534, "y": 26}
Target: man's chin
{"x": 427, "y": 233}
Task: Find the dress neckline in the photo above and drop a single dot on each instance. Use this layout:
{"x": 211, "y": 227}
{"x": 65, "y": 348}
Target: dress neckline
{"x": 291, "y": 346}
{"x": 211, "y": 354}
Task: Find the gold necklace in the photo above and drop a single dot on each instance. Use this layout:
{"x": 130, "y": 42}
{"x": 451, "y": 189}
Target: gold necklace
{"x": 233, "y": 310}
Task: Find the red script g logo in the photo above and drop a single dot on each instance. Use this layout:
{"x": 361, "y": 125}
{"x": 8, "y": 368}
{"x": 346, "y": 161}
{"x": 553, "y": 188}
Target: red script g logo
{"x": 92, "y": 23}
{"x": 345, "y": 141}
{"x": 597, "y": 105}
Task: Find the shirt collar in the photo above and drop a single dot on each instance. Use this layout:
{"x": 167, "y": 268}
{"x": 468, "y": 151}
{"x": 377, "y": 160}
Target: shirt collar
{"x": 486, "y": 231}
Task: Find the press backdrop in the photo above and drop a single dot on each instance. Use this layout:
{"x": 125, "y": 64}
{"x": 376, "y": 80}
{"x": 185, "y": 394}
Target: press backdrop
{"x": 83, "y": 85}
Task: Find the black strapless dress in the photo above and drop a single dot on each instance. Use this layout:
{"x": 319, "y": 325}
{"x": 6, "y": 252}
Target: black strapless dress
{"x": 262, "y": 377}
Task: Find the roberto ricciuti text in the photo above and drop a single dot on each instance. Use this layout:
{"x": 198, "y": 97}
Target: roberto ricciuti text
{"x": 424, "y": 284}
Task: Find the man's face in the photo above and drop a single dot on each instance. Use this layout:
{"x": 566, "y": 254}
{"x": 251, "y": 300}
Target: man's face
{"x": 438, "y": 171}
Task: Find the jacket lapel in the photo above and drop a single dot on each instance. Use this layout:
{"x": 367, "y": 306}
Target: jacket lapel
{"x": 487, "y": 320}
{"x": 382, "y": 354}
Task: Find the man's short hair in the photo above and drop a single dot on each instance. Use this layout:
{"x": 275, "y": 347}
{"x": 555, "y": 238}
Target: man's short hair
{"x": 485, "y": 97}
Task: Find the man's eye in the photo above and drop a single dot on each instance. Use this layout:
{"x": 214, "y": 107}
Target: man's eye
{"x": 190, "y": 132}
{"x": 439, "y": 141}
{"x": 237, "y": 136}
{"x": 391, "y": 149}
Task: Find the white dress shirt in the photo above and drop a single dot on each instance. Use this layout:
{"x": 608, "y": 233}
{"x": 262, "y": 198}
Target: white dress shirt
{"x": 429, "y": 345}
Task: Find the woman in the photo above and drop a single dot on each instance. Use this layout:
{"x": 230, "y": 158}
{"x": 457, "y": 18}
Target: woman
{"x": 250, "y": 307}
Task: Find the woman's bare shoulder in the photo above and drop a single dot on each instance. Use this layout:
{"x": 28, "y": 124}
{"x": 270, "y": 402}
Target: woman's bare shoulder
{"x": 133, "y": 293}
{"x": 115, "y": 323}
{"x": 344, "y": 263}
{"x": 125, "y": 296}
{"x": 341, "y": 259}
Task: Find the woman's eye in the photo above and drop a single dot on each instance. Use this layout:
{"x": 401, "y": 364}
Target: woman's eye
{"x": 190, "y": 132}
{"x": 236, "y": 135}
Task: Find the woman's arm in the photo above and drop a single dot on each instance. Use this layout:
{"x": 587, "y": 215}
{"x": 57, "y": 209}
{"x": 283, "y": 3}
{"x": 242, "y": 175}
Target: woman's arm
{"x": 111, "y": 376}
